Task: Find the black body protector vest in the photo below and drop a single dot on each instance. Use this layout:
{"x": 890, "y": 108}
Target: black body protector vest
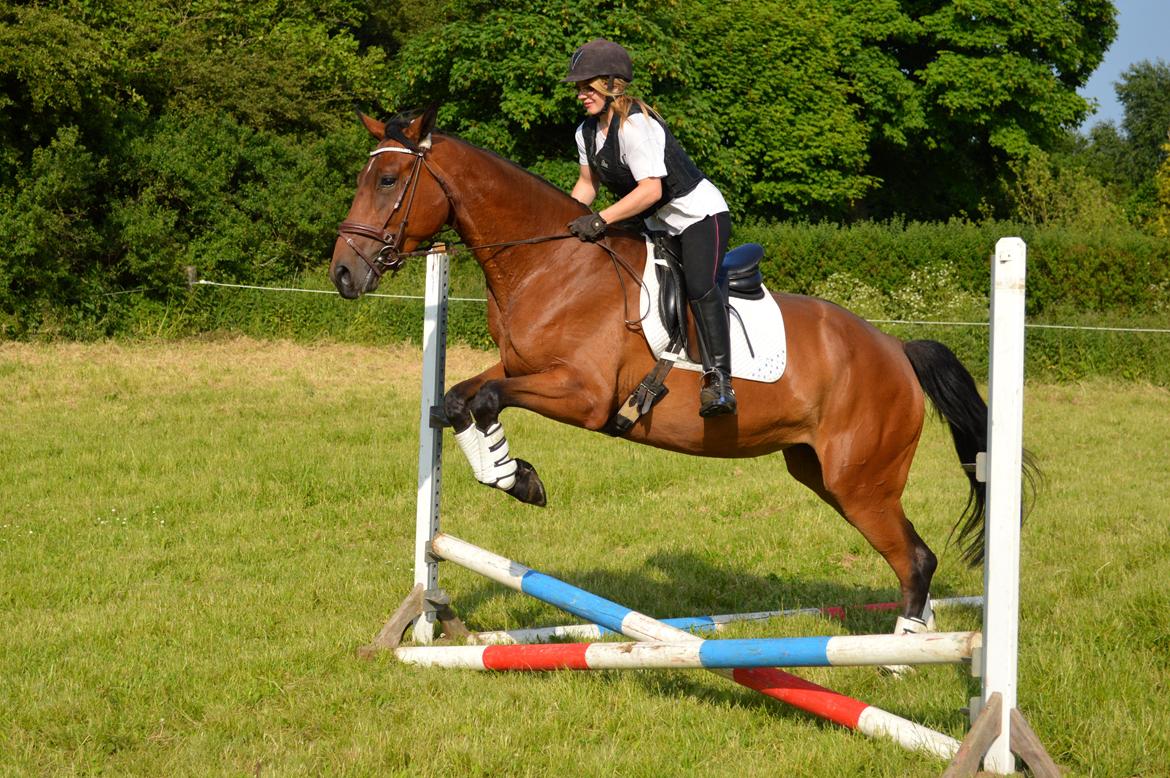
{"x": 682, "y": 176}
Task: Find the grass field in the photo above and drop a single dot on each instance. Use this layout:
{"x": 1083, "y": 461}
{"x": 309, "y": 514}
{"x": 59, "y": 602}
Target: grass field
{"x": 196, "y": 536}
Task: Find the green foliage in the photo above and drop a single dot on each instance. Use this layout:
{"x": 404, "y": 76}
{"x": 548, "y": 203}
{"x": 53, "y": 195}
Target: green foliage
{"x": 887, "y": 272}
{"x": 206, "y": 182}
{"x": 774, "y": 116}
{"x": 1046, "y": 192}
{"x": 1144, "y": 93}
{"x": 150, "y": 136}
{"x": 47, "y": 236}
{"x": 496, "y": 68}
{"x": 1162, "y": 182}
{"x": 996, "y": 80}
{"x": 816, "y": 109}
{"x": 139, "y": 138}
{"x": 1108, "y": 269}
{"x": 1127, "y": 159}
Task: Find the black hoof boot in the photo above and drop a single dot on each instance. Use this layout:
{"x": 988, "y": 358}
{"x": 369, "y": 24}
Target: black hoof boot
{"x": 528, "y": 487}
{"x": 716, "y": 398}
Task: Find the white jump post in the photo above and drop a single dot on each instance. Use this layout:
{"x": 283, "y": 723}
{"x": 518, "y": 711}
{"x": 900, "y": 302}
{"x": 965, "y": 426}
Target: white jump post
{"x": 999, "y": 732}
{"x": 1005, "y": 440}
{"x": 430, "y": 439}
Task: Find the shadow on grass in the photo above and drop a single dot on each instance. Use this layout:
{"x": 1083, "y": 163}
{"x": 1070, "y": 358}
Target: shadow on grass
{"x": 684, "y": 584}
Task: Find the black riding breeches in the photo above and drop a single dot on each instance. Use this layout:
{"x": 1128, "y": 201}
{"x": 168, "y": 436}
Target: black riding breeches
{"x": 703, "y": 246}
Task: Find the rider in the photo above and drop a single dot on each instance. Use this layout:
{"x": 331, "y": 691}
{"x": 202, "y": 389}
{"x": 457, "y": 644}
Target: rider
{"x": 624, "y": 144}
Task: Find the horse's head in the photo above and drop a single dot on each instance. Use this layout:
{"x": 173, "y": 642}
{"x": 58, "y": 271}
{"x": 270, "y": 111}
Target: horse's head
{"x": 399, "y": 203}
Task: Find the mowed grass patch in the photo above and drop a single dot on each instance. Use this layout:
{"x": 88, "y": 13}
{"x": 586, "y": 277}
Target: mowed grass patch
{"x": 195, "y": 537}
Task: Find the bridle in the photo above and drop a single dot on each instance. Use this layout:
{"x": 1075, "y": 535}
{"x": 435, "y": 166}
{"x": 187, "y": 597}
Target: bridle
{"x": 389, "y": 256}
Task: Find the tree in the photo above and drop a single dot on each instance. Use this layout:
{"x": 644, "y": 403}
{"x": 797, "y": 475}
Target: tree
{"x": 149, "y": 134}
{"x": 772, "y": 109}
{"x": 136, "y": 137}
{"x": 1128, "y": 158}
{"x": 495, "y": 68}
{"x": 1144, "y": 93}
{"x": 1162, "y": 184}
{"x": 995, "y": 80}
{"x": 804, "y": 108}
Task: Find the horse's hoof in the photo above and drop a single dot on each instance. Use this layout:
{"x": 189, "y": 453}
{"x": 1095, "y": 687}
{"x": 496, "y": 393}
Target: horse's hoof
{"x": 528, "y": 487}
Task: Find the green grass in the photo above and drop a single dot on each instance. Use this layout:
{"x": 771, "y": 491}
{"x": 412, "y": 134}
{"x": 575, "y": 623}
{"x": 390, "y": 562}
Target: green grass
{"x": 196, "y": 536}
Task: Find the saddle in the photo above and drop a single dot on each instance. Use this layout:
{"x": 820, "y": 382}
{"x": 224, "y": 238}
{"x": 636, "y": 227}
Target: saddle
{"x": 739, "y": 276}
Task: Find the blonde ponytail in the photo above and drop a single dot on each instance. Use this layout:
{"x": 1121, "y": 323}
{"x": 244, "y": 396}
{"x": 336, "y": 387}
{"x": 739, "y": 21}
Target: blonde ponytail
{"x": 622, "y": 102}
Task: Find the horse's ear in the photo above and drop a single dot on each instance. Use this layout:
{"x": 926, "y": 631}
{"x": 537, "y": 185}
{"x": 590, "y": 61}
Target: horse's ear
{"x": 373, "y": 126}
{"x": 426, "y": 122}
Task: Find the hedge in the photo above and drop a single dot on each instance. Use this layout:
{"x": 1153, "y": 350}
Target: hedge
{"x": 886, "y": 272}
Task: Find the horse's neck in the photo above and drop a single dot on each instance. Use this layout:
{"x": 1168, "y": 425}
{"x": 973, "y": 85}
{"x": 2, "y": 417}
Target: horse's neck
{"x": 499, "y": 203}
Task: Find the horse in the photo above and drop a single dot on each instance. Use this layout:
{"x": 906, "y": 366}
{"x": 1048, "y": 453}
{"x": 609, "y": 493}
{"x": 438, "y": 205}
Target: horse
{"x": 847, "y": 413}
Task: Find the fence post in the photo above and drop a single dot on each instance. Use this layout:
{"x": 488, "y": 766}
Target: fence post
{"x": 1001, "y": 572}
{"x": 430, "y": 439}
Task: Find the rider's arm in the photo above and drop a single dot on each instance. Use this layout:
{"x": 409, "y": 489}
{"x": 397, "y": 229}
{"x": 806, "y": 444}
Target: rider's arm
{"x": 645, "y": 194}
{"x": 585, "y": 190}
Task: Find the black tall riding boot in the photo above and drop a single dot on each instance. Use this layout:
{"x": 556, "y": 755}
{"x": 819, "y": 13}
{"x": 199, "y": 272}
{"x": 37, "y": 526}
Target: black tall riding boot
{"x": 716, "y": 396}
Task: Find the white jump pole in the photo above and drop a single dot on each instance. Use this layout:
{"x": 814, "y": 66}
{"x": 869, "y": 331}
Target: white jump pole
{"x": 1001, "y": 572}
{"x": 430, "y": 439}
{"x": 927, "y": 648}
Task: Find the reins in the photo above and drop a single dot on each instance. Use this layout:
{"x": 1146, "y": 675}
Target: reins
{"x": 389, "y": 258}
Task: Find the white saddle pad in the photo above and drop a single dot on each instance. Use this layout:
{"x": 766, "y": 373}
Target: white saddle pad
{"x": 758, "y": 347}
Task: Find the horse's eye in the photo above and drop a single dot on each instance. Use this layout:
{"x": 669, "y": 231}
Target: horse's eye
{"x": 387, "y": 181}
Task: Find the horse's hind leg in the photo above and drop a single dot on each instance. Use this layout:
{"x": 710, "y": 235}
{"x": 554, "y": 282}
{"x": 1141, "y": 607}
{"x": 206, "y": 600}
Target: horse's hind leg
{"x": 871, "y": 502}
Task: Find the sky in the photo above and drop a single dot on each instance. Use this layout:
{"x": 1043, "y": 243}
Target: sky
{"x": 1143, "y": 33}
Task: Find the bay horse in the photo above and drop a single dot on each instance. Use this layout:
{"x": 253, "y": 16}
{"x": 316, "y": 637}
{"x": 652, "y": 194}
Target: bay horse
{"x": 847, "y": 412}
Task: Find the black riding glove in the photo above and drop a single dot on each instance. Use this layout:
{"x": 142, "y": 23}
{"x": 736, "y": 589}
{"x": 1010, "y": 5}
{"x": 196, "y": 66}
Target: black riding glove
{"x": 589, "y": 227}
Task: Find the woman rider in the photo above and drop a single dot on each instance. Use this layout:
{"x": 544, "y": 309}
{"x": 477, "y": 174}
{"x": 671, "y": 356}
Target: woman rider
{"x": 624, "y": 144}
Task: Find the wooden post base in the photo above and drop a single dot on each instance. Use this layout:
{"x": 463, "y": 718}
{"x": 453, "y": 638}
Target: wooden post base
{"x": 416, "y": 605}
{"x": 1024, "y": 744}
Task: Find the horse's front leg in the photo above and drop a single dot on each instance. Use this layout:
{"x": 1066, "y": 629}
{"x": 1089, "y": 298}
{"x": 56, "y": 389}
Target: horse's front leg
{"x": 473, "y": 408}
{"x": 456, "y": 402}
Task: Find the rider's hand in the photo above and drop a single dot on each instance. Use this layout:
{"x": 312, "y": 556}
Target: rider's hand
{"x": 589, "y": 227}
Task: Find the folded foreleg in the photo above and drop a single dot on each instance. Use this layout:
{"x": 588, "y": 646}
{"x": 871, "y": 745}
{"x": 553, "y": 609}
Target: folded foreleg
{"x": 480, "y": 435}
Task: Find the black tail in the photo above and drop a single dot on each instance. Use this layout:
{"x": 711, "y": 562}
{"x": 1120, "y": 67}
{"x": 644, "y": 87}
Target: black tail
{"x": 952, "y": 390}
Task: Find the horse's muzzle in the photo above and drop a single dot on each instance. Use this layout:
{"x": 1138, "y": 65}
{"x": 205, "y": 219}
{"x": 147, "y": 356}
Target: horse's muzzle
{"x": 353, "y": 279}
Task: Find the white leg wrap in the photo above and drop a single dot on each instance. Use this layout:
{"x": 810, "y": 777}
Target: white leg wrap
{"x": 487, "y": 453}
{"x": 928, "y": 616}
{"x": 905, "y": 626}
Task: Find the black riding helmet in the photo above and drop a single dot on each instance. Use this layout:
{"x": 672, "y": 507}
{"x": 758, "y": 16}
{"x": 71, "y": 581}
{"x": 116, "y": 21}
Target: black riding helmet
{"x": 600, "y": 57}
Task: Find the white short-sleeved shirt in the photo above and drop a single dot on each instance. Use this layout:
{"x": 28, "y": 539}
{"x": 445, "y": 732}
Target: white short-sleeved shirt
{"x": 642, "y": 146}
